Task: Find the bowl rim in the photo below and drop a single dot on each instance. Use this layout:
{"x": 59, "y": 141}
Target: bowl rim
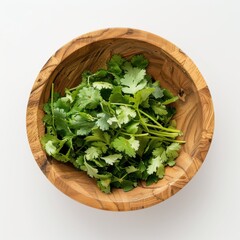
{"x": 32, "y": 122}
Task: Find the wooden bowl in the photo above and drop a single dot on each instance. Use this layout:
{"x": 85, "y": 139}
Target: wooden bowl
{"x": 170, "y": 65}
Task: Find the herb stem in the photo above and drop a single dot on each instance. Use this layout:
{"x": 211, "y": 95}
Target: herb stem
{"x": 165, "y": 139}
{"x": 151, "y": 118}
{"x": 135, "y": 135}
{"x": 163, "y": 128}
{"x": 142, "y": 122}
{"x": 164, "y": 134}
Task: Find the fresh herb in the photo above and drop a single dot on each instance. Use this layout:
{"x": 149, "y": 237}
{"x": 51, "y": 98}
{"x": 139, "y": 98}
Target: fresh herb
{"x": 116, "y": 125}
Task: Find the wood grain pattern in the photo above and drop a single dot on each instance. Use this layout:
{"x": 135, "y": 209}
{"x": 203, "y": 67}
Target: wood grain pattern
{"x": 168, "y": 64}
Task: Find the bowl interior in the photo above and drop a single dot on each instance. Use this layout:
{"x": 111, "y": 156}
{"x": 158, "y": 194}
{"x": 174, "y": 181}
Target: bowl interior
{"x": 164, "y": 68}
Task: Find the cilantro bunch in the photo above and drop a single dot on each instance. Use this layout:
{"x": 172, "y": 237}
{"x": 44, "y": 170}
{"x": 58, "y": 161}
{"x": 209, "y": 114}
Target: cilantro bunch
{"x": 115, "y": 125}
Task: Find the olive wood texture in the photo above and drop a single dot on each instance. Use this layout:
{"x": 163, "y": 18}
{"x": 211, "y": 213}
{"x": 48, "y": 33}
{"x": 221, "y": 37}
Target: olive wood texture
{"x": 168, "y": 64}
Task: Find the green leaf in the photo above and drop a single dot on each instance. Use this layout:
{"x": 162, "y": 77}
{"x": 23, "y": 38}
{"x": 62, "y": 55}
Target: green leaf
{"x": 89, "y": 97}
{"x": 132, "y": 127}
{"x": 134, "y": 143}
{"x": 142, "y": 95}
{"x": 102, "y": 85}
{"x": 152, "y": 179}
{"x": 160, "y": 171}
{"x": 171, "y": 162}
{"x": 159, "y": 109}
{"x": 113, "y": 122}
{"x": 154, "y": 164}
{"x": 158, "y": 92}
{"x": 171, "y": 100}
{"x": 50, "y": 148}
{"x": 102, "y": 121}
{"x": 139, "y": 61}
{"x": 104, "y": 185}
{"x": 92, "y": 153}
{"x": 98, "y": 135}
{"x": 101, "y": 145}
{"x": 133, "y": 80}
{"x": 111, "y": 159}
{"x": 47, "y": 108}
{"x": 91, "y": 171}
{"x": 115, "y": 64}
{"x": 117, "y": 98}
{"x": 131, "y": 169}
{"x": 172, "y": 150}
{"x": 125, "y": 114}
{"x": 158, "y": 151}
{"x": 122, "y": 144}
{"x": 79, "y": 162}
{"x": 82, "y": 122}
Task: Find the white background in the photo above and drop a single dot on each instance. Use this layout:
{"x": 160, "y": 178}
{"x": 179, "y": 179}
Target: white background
{"x": 31, "y": 208}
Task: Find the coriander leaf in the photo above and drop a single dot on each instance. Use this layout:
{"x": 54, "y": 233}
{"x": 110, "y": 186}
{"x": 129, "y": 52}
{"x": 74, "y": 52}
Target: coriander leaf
{"x": 152, "y": 179}
{"x": 113, "y": 122}
{"x": 122, "y": 144}
{"x": 79, "y": 162}
{"x": 92, "y": 153}
{"x": 59, "y": 112}
{"x": 82, "y": 122}
{"x": 171, "y": 162}
{"x": 47, "y": 108}
{"x": 117, "y": 98}
{"x": 142, "y": 95}
{"x": 128, "y": 185}
{"x": 91, "y": 171}
{"x": 154, "y": 164}
{"x": 50, "y": 148}
{"x": 134, "y": 143}
{"x": 158, "y": 92}
{"x": 104, "y": 185}
{"x": 167, "y": 93}
{"x": 170, "y": 100}
{"x": 158, "y": 151}
{"x": 102, "y": 85}
{"x": 89, "y": 97}
{"x": 131, "y": 169}
{"x": 172, "y": 150}
{"x": 98, "y": 135}
{"x": 139, "y": 61}
{"x": 111, "y": 159}
{"x": 102, "y": 121}
{"x": 160, "y": 171}
{"x": 133, "y": 80}
{"x": 115, "y": 64}
{"x": 48, "y": 119}
{"x": 101, "y": 145}
{"x": 132, "y": 127}
{"x": 62, "y": 103}
{"x": 159, "y": 109}
{"x": 125, "y": 114}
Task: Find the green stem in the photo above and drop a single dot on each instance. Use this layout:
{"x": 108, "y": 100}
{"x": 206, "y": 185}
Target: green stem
{"x": 163, "y": 128}
{"x": 173, "y": 140}
{"x": 135, "y": 135}
{"x": 141, "y": 121}
{"x": 151, "y": 118}
{"x": 165, "y": 139}
{"x": 164, "y": 134}
{"x": 74, "y": 88}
